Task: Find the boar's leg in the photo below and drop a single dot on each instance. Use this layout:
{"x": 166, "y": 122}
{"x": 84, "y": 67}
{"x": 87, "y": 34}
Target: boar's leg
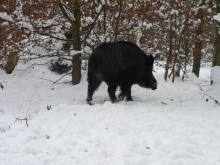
{"x": 125, "y": 91}
{"x": 128, "y": 94}
{"x": 121, "y": 95}
{"x": 93, "y": 84}
{"x": 111, "y": 92}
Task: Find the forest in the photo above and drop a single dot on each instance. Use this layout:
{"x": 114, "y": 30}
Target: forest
{"x": 46, "y": 53}
{"x": 180, "y": 33}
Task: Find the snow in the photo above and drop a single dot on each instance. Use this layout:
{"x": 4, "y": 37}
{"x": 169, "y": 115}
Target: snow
{"x": 4, "y": 24}
{"x": 217, "y": 17}
{"x": 25, "y": 25}
{"x": 89, "y": 20}
{"x": 51, "y": 22}
{"x": 173, "y": 125}
{"x": 6, "y": 17}
{"x": 75, "y": 52}
{"x": 99, "y": 8}
{"x": 103, "y": 2}
{"x": 215, "y": 75}
{"x": 214, "y": 90}
{"x": 147, "y": 25}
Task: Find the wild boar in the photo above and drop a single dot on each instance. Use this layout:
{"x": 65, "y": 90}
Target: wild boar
{"x": 119, "y": 64}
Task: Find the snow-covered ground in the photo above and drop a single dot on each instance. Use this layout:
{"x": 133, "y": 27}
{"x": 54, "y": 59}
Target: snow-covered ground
{"x": 175, "y": 125}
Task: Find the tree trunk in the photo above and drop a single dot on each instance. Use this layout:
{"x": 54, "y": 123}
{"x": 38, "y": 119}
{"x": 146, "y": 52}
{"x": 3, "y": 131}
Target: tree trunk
{"x": 76, "y": 42}
{"x": 197, "y": 58}
{"x": 186, "y": 40}
{"x": 118, "y": 21}
{"x": 104, "y": 19}
{"x": 76, "y": 60}
{"x": 12, "y": 61}
{"x": 216, "y": 59}
{"x": 175, "y": 53}
{"x": 169, "y": 57}
{"x": 198, "y": 42}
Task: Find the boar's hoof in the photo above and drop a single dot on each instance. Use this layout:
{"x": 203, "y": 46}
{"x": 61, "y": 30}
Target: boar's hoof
{"x": 89, "y": 101}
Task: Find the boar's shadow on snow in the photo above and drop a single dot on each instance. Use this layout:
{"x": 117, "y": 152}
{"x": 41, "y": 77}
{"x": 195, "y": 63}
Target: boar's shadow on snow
{"x": 119, "y": 64}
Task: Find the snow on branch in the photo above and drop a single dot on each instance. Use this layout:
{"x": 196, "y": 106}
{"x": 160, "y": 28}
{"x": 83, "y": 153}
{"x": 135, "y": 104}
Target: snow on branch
{"x": 52, "y": 36}
{"x": 217, "y": 17}
{"x": 92, "y": 25}
{"x": 75, "y": 52}
{"x": 6, "y": 17}
{"x": 67, "y": 12}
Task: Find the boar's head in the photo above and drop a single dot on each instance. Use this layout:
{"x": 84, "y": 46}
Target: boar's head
{"x": 148, "y": 79}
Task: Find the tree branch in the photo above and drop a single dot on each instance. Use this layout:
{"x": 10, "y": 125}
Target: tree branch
{"x": 49, "y": 35}
{"x": 92, "y": 25}
{"x": 212, "y": 98}
{"x": 63, "y": 8}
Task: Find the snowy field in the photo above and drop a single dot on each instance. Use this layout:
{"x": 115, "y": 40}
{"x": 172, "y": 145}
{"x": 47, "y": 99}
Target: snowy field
{"x": 42, "y": 123}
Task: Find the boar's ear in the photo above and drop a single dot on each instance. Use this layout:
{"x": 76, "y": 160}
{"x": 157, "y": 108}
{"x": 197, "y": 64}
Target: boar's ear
{"x": 149, "y": 60}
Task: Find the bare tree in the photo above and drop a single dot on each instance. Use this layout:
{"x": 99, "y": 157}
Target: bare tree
{"x": 76, "y": 41}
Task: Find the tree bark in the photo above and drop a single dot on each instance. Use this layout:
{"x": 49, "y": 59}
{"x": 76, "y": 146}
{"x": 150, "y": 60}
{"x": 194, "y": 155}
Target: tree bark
{"x": 186, "y": 40}
{"x": 216, "y": 59}
{"x": 76, "y": 42}
{"x": 170, "y": 54}
{"x": 197, "y": 58}
{"x": 198, "y": 42}
{"x": 76, "y": 60}
{"x": 12, "y": 61}
{"x": 104, "y": 19}
{"x": 118, "y": 21}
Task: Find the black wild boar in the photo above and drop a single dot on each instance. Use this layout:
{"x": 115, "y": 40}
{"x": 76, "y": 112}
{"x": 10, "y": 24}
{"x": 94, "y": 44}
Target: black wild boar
{"x": 119, "y": 64}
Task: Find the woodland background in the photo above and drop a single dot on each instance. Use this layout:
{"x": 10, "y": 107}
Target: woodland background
{"x": 181, "y": 34}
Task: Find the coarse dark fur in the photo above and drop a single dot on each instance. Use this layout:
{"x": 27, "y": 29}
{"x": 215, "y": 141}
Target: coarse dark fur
{"x": 120, "y": 64}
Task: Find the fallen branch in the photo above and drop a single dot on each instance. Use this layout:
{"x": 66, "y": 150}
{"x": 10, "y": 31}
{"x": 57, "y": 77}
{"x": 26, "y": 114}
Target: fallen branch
{"x": 23, "y": 119}
{"x": 61, "y": 77}
{"x": 16, "y": 120}
{"x": 211, "y": 97}
{"x": 46, "y": 79}
{"x": 54, "y": 82}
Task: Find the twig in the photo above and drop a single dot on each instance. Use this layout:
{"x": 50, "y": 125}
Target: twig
{"x": 54, "y": 82}
{"x": 162, "y": 102}
{"x": 63, "y": 8}
{"x": 61, "y": 77}
{"x": 16, "y": 119}
{"x": 49, "y": 35}
{"x": 46, "y": 79}
{"x": 23, "y": 119}
{"x": 92, "y": 25}
{"x": 212, "y": 98}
